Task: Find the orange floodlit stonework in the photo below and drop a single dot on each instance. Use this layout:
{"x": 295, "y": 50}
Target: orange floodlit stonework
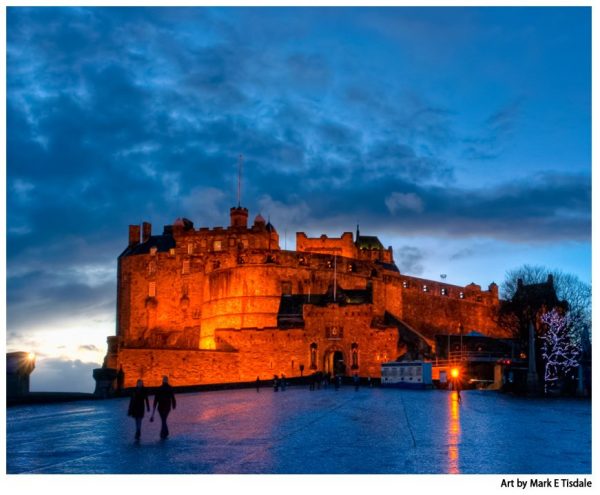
{"x": 229, "y": 305}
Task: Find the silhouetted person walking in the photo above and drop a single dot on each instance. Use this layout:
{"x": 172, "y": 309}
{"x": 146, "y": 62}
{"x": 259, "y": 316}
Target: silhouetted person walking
{"x": 275, "y": 383}
{"x": 164, "y": 398}
{"x": 136, "y": 406}
{"x": 258, "y": 384}
{"x": 356, "y": 381}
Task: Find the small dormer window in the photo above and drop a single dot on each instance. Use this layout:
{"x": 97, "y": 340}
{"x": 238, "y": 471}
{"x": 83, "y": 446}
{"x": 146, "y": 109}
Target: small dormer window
{"x": 444, "y": 291}
{"x": 425, "y": 288}
{"x": 172, "y": 252}
{"x": 461, "y": 295}
{"x": 153, "y": 251}
{"x": 217, "y": 245}
{"x": 405, "y": 284}
{"x": 190, "y": 248}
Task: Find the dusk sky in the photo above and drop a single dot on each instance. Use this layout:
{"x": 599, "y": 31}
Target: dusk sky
{"x": 460, "y": 136}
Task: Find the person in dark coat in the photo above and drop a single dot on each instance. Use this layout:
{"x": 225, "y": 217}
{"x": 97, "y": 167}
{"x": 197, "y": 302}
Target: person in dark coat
{"x": 136, "y": 406}
{"x": 164, "y": 399}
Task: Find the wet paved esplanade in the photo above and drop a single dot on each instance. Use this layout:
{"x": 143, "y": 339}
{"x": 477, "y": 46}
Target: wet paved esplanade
{"x": 301, "y": 431}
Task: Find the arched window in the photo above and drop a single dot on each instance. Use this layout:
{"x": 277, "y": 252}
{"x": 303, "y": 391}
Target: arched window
{"x": 354, "y": 348}
{"x": 313, "y": 356}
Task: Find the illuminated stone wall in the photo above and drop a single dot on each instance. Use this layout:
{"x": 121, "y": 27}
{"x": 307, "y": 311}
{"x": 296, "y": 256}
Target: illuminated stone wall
{"x": 206, "y": 309}
{"x": 432, "y": 311}
{"x": 183, "y": 367}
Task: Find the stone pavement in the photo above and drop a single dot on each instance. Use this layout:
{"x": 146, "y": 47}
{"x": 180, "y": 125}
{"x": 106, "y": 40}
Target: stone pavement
{"x": 299, "y": 431}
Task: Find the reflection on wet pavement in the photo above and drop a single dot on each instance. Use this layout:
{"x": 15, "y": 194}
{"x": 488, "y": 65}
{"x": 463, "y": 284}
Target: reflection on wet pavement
{"x": 299, "y": 431}
{"x": 453, "y": 433}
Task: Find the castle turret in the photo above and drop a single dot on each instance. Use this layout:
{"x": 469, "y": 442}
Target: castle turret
{"x": 239, "y": 217}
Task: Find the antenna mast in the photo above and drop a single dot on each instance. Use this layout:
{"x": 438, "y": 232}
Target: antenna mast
{"x": 239, "y": 195}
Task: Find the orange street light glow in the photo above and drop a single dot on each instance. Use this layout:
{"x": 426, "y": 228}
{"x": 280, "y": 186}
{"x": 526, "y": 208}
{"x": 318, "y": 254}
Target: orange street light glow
{"x": 454, "y": 372}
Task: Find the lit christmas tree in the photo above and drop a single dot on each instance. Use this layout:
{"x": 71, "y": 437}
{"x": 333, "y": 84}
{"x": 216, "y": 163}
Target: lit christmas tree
{"x": 559, "y": 351}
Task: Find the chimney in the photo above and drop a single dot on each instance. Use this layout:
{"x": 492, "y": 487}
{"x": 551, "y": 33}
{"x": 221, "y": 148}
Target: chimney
{"x": 550, "y": 280}
{"x": 146, "y": 231}
{"x": 134, "y": 235}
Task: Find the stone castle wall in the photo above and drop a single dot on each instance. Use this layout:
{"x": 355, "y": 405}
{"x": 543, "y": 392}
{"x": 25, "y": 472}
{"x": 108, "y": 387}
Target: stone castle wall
{"x": 205, "y": 310}
{"x": 183, "y": 367}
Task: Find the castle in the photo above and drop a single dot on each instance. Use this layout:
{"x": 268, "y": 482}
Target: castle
{"x": 227, "y": 305}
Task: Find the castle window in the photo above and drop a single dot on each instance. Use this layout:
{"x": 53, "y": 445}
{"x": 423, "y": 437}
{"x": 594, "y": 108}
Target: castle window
{"x": 217, "y": 245}
{"x": 444, "y": 291}
{"x": 425, "y": 288}
{"x": 172, "y": 252}
{"x": 354, "y": 348}
{"x": 479, "y": 298}
{"x": 152, "y": 289}
{"x": 190, "y": 248}
{"x": 461, "y": 295}
{"x": 405, "y": 284}
{"x": 196, "y": 314}
{"x": 185, "y": 268}
{"x": 231, "y": 242}
{"x": 313, "y": 356}
{"x": 184, "y": 290}
{"x": 151, "y": 268}
{"x": 286, "y": 288}
{"x": 153, "y": 250}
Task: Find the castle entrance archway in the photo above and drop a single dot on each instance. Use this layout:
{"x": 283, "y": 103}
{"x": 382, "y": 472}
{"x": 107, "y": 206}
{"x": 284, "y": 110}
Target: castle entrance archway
{"x": 334, "y": 362}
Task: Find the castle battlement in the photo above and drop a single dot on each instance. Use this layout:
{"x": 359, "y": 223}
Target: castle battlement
{"x": 332, "y": 302}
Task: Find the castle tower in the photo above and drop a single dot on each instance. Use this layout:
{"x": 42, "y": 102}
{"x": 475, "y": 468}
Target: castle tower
{"x": 239, "y": 217}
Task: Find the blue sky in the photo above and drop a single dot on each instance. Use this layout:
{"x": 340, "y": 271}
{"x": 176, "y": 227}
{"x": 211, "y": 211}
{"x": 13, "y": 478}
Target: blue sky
{"x": 460, "y": 136}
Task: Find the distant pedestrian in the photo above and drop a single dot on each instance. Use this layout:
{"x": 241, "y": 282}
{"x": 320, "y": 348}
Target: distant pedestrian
{"x": 120, "y": 380}
{"x": 356, "y": 381}
{"x": 336, "y": 382}
{"x": 165, "y": 399}
{"x": 370, "y": 382}
{"x": 311, "y": 381}
{"x": 457, "y": 387}
{"x": 283, "y": 384}
{"x": 275, "y": 383}
{"x": 257, "y": 384}
{"x": 136, "y": 406}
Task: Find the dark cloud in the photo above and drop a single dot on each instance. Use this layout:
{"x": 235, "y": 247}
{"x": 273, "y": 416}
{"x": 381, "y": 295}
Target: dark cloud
{"x": 118, "y": 115}
{"x": 462, "y": 253}
{"x": 49, "y": 296}
{"x": 495, "y": 134}
{"x": 89, "y": 347}
{"x": 409, "y": 260}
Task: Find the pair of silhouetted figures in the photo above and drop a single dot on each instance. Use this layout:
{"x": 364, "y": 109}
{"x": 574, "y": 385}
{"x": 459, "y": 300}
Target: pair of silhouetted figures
{"x": 164, "y": 398}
